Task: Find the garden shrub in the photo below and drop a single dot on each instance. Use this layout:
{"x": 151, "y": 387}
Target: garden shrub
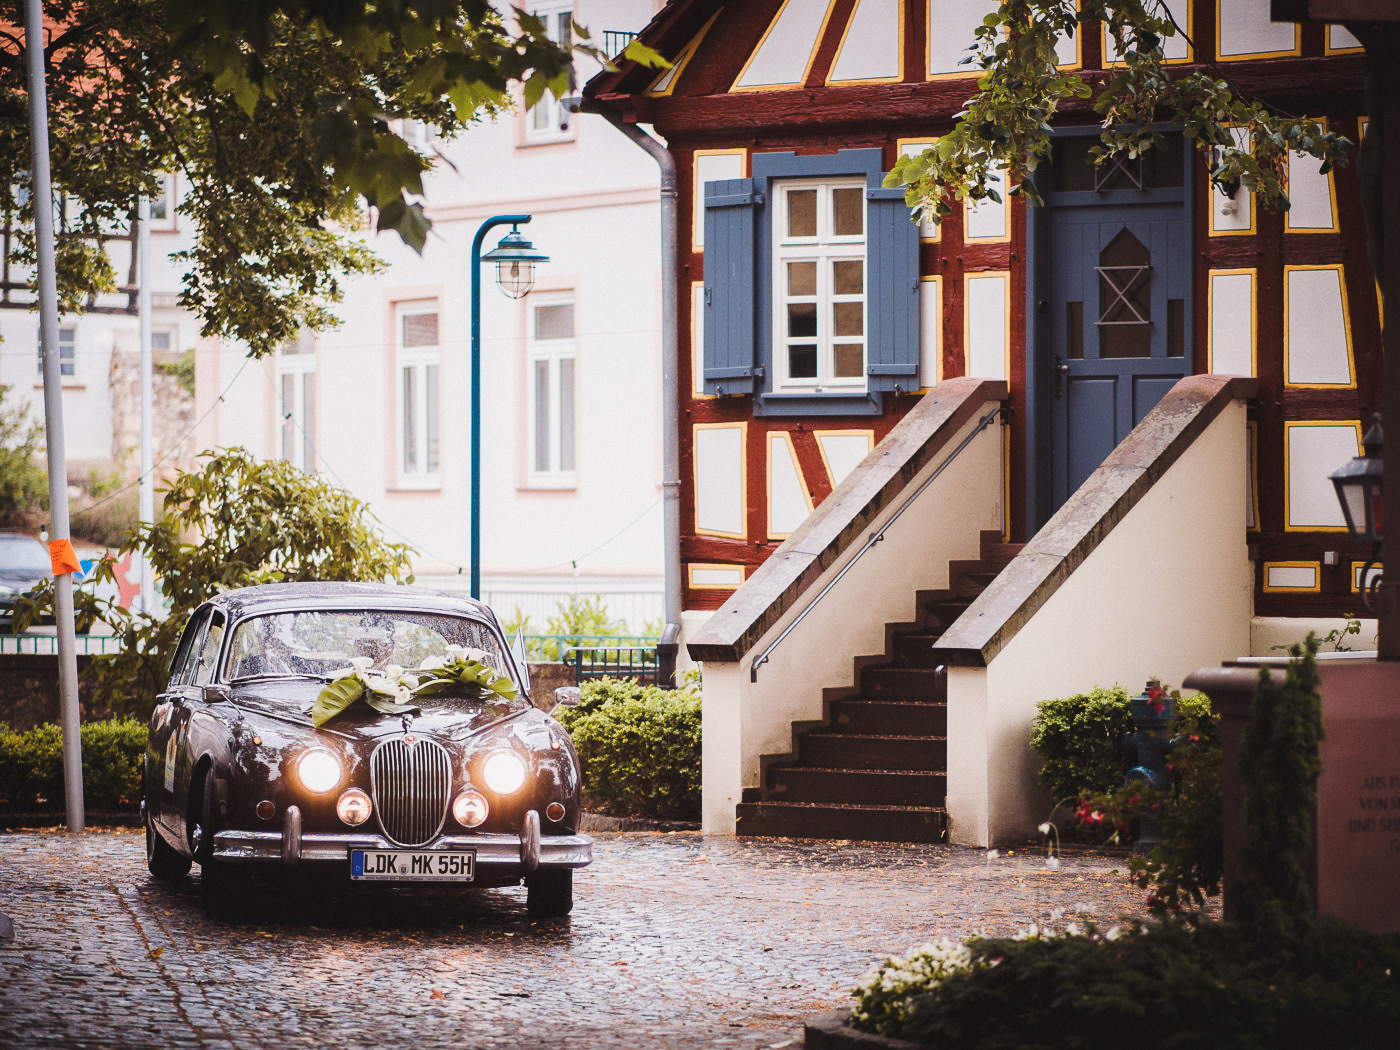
{"x": 31, "y": 766}
{"x": 639, "y": 747}
{"x": 1079, "y": 740}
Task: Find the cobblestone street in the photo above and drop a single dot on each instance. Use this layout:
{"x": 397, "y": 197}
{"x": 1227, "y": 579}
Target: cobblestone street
{"x": 676, "y": 940}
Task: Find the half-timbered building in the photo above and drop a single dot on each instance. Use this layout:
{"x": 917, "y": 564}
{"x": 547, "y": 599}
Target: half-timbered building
{"x": 931, "y": 475}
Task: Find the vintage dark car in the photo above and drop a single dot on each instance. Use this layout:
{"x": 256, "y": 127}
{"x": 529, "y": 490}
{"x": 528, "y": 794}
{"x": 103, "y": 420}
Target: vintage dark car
{"x": 361, "y": 733}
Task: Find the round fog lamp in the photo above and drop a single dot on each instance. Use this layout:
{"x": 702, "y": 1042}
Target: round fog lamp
{"x": 469, "y": 809}
{"x": 503, "y": 772}
{"x": 353, "y": 807}
{"x": 554, "y": 811}
{"x": 318, "y": 770}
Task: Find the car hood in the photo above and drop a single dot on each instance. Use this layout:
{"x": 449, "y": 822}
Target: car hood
{"x": 444, "y": 718}
{"x": 19, "y": 580}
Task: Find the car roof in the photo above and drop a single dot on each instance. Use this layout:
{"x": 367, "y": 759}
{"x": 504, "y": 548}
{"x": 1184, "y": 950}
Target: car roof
{"x": 326, "y": 594}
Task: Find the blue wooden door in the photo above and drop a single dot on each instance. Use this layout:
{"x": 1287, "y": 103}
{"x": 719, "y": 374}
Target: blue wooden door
{"x": 1114, "y": 299}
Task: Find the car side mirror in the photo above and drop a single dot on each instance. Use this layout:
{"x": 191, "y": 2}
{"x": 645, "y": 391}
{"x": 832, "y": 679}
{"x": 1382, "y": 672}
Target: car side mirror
{"x": 564, "y": 696}
{"x": 521, "y": 658}
{"x": 213, "y": 694}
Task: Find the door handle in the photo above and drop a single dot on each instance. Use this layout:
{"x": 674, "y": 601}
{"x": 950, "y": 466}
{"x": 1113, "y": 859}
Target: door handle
{"x": 1061, "y": 370}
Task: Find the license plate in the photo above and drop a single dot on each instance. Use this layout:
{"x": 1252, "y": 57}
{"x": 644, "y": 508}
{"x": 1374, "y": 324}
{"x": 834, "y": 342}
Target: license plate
{"x": 412, "y": 865}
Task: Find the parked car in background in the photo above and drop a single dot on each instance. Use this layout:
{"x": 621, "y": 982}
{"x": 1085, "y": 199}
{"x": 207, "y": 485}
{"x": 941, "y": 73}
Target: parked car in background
{"x": 24, "y": 564}
{"x": 359, "y": 733}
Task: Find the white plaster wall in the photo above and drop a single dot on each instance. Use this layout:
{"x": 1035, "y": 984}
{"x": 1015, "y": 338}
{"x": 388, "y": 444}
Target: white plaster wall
{"x": 1166, "y": 592}
{"x": 743, "y": 720}
{"x": 1268, "y": 632}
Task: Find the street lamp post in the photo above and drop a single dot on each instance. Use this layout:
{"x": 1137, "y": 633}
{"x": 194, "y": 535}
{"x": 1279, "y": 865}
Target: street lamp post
{"x": 515, "y": 259}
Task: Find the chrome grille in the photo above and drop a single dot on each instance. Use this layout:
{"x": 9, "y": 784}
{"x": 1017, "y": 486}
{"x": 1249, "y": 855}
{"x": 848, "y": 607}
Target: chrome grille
{"x": 411, "y": 783}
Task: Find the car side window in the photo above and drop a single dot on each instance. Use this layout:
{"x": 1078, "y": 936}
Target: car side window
{"x": 182, "y": 669}
{"x": 209, "y": 650}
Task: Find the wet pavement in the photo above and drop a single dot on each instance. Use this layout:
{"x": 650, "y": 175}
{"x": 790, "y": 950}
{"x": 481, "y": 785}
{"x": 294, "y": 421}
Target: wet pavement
{"x": 676, "y": 940}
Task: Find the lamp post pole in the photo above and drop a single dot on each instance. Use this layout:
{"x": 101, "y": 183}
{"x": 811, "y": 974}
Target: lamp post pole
{"x": 475, "y": 494}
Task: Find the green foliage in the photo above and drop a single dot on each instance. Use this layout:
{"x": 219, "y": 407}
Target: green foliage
{"x": 579, "y": 619}
{"x": 1079, "y": 740}
{"x": 1280, "y": 762}
{"x": 24, "y": 484}
{"x": 183, "y": 370}
{"x": 1006, "y": 124}
{"x": 234, "y": 522}
{"x": 640, "y": 748}
{"x": 31, "y": 766}
{"x": 1168, "y": 985}
{"x": 283, "y": 120}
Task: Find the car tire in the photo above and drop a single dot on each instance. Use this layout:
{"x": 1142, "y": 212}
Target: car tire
{"x": 163, "y": 860}
{"x": 549, "y": 894}
{"x": 220, "y": 886}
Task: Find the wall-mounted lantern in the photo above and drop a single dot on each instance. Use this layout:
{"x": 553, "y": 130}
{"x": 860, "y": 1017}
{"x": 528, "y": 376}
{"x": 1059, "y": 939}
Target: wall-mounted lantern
{"x": 1359, "y": 488}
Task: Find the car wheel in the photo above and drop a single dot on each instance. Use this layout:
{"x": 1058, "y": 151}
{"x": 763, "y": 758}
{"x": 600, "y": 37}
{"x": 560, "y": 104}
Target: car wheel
{"x": 549, "y": 894}
{"x": 163, "y": 861}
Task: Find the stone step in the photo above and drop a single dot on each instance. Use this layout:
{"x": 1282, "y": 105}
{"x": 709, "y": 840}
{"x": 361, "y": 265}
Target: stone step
{"x": 862, "y": 823}
{"x": 926, "y": 788}
{"x": 835, "y": 750}
{"x": 889, "y": 717}
{"x": 902, "y": 683}
{"x": 914, "y": 649}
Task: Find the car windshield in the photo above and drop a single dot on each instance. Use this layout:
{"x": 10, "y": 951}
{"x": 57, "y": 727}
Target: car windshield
{"x": 24, "y": 554}
{"x": 321, "y": 643}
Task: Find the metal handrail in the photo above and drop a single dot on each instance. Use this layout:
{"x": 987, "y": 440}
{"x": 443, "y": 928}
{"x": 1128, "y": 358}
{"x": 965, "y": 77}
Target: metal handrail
{"x": 1000, "y": 412}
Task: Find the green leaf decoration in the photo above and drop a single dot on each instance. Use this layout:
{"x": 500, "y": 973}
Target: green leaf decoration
{"x": 452, "y": 676}
{"x": 335, "y": 697}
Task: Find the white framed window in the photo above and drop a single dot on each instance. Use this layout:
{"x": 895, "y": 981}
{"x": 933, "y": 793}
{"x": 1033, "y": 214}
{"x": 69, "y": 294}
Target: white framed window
{"x": 67, "y": 351}
{"x": 418, "y": 361}
{"x": 162, "y": 206}
{"x": 552, "y": 392}
{"x": 819, "y": 283}
{"x": 549, "y": 121}
{"x": 296, "y": 402}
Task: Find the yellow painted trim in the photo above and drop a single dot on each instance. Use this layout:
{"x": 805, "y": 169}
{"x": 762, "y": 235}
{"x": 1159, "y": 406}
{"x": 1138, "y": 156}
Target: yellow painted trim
{"x": 1328, "y": 49}
{"x": 869, "y": 436}
{"x": 1316, "y": 566}
{"x": 735, "y": 89}
{"x": 1356, "y": 569}
{"x": 936, "y": 279}
{"x": 697, "y": 339}
{"x": 1190, "y": 46}
{"x": 1252, "y": 450}
{"x": 697, "y": 191}
{"x": 1336, "y": 226}
{"x": 1288, "y": 426}
{"x": 971, "y": 275}
{"x": 1000, "y": 238}
{"x": 1346, "y": 328}
{"x": 836, "y": 59}
{"x": 681, "y": 61}
{"x": 796, "y": 468}
{"x": 743, "y": 429}
{"x": 1253, "y": 274}
{"x": 691, "y": 566}
{"x": 1249, "y": 231}
{"x": 901, "y": 145}
{"x": 1296, "y": 50}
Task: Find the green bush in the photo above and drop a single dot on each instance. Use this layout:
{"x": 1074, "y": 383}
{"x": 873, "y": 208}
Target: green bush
{"x": 31, "y": 766}
{"x": 640, "y": 748}
{"x": 1079, "y": 740}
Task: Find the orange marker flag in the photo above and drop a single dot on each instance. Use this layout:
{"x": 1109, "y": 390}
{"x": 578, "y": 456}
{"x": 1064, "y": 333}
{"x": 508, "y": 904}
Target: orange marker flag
{"x": 64, "y": 558}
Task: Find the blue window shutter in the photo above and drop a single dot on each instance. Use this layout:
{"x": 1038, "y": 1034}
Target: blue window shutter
{"x": 730, "y": 295}
{"x": 892, "y": 356}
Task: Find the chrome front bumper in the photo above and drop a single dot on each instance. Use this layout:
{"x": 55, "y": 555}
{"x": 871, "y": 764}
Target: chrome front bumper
{"x": 494, "y": 850}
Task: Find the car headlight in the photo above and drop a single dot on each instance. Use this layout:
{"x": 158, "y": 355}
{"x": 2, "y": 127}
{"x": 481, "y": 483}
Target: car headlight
{"x": 318, "y": 770}
{"x": 353, "y": 807}
{"x": 503, "y": 772}
{"x": 469, "y": 809}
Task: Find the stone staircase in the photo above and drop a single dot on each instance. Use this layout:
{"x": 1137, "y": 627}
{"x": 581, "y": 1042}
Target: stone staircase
{"x": 875, "y": 767}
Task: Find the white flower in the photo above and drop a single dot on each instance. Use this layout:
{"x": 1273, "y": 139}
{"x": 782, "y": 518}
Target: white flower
{"x": 432, "y": 663}
{"x": 1052, "y": 863}
{"x": 1045, "y": 828}
{"x": 993, "y": 854}
{"x": 361, "y": 663}
{"x": 393, "y": 671}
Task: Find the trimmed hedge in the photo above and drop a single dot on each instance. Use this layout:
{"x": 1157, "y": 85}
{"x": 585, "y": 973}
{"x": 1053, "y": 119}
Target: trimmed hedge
{"x": 31, "y": 766}
{"x": 640, "y": 749}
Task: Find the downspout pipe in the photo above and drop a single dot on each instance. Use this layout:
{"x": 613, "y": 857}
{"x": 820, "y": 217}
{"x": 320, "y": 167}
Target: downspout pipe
{"x": 670, "y": 391}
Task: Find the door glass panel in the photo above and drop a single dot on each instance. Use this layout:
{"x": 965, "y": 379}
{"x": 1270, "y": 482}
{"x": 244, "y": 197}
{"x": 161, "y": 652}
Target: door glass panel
{"x": 849, "y": 319}
{"x": 1073, "y": 170}
{"x": 848, "y": 276}
{"x": 1074, "y": 331}
{"x": 848, "y": 212}
{"x": 802, "y": 320}
{"x": 849, "y": 360}
{"x": 802, "y": 278}
{"x": 802, "y": 213}
{"x": 802, "y": 361}
{"x": 1125, "y": 298}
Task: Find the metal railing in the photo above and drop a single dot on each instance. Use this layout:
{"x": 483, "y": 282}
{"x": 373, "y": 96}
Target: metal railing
{"x": 1000, "y": 412}
{"x": 614, "y": 661}
{"x": 47, "y": 644}
{"x": 615, "y": 41}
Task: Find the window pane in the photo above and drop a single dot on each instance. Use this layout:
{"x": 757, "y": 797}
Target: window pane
{"x": 802, "y": 320}
{"x": 848, "y": 277}
{"x": 420, "y": 329}
{"x": 849, "y": 360}
{"x": 410, "y": 425}
{"x": 802, "y": 213}
{"x": 288, "y": 424}
{"x": 802, "y": 278}
{"x": 430, "y": 413}
{"x": 566, "y": 414}
{"x": 802, "y": 361}
{"x": 848, "y": 211}
{"x": 542, "y": 415}
{"x": 308, "y": 420}
{"x": 161, "y": 339}
{"x": 850, "y": 319}
{"x": 555, "y": 321}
